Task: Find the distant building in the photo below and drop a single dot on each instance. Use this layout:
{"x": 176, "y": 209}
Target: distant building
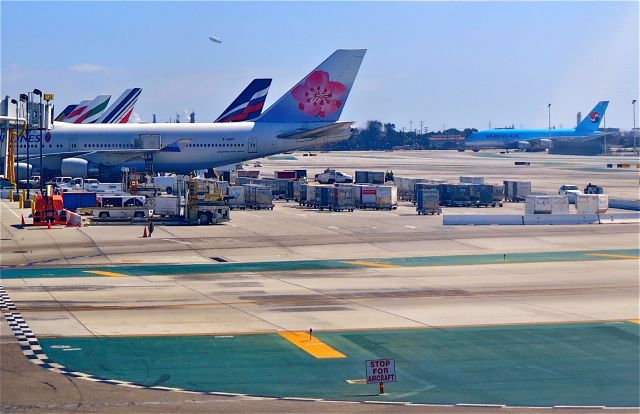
{"x": 446, "y": 141}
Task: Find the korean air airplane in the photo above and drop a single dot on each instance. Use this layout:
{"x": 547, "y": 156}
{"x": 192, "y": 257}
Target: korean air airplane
{"x": 307, "y": 115}
{"x": 543, "y": 138}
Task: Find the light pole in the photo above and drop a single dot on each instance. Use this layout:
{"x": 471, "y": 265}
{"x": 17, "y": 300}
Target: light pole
{"x": 25, "y": 98}
{"x": 635, "y": 134}
{"x": 39, "y": 93}
{"x": 549, "y": 111}
{"x": 17, "y": 151}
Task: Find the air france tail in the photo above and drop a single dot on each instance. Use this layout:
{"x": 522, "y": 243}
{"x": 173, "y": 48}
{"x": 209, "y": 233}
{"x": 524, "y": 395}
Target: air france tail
{"x": 591, "y": 122}
{"x": 321, "y": 95}
{"x": 120, "y": 111}
{"x": 248, "y": 105}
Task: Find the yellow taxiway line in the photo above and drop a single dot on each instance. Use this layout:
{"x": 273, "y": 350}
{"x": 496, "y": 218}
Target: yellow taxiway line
{"x": 311, "y": 345}
{"x": 373, "y": 264}
{"x": 104, "y": 273}
{"x": 617, "y": 256}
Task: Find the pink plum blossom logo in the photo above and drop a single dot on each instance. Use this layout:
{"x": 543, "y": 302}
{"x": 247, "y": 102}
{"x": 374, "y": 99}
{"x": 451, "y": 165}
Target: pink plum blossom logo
{"x": 319, "y": 95}
{"x": 594, "y": 116}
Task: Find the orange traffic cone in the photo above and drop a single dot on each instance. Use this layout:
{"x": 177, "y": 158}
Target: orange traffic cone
{"x": 145, "y": 232}
{"x": 22, "y": 220}
{"x": 48, "y": 224}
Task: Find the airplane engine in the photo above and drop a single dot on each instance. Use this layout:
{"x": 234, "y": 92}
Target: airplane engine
{"x": 24, "y": 170}
{"x": 524, "y": 145}
{"x": 546, "y": 143}
{"x": 78, "y": 167}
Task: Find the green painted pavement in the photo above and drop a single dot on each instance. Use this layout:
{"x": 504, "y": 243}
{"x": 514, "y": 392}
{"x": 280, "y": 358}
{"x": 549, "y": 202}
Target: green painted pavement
{"x": 283, "y": 266}
{"x": 562, "y": 364}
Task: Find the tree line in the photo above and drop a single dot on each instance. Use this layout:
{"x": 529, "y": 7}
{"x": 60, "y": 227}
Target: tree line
{"x": 379, "y": 136}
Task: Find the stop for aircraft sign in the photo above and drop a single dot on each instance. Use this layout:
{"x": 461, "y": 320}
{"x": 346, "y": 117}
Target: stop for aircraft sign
{"x": 380, "y": 371}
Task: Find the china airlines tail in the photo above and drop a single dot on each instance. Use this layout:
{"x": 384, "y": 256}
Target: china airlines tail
{"x": 248, "y": 105}
{"x": 321, "y": 95}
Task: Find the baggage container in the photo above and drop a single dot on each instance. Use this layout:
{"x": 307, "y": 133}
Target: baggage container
{"x": 591, "y": 203}
{"x": 323, "y": 197}
{"x": 386, "y": 197}
{"x": 286, "y": 175}
{"x": 289, "y": 195}
{"x": 237, "y": 197}
{"x": 367, "y": 196}
{"x": 428, "y": 201}
{"x": 485, "y": 195}
{"x": 311, "y": 195}
{"x": 516, "y": 190}
{"x": 302, "y": 193}
{"x": 426, "y": 186}
{"x": 166, "y": 205}
{"x": 74, "y": 200}
{"x": 456, "y": 195}
{"x": 342, "y": 198}
{"x": 549, "y": 204}
{"x": 471, "y": 179}
{"x": 370, "y": 177}
{"x": 248, "y": 173}
{"x": 259, "y": 197}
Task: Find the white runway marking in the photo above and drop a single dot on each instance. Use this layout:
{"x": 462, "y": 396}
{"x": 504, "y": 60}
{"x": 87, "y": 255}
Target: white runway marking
{"x": 177, "y": 241}
{"x": 12, "y": 212}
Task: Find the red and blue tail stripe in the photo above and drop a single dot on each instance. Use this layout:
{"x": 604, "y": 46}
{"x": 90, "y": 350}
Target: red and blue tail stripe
{"x": 248, "y": 105}
{"x": 122, "y": 108}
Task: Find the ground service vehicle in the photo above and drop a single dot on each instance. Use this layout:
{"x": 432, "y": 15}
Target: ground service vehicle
{"x": 330, "y": 176}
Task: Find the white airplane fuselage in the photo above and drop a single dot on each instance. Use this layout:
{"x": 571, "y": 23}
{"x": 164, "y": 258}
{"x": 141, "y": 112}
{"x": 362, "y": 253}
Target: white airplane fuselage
{"x": 179, "y": 147}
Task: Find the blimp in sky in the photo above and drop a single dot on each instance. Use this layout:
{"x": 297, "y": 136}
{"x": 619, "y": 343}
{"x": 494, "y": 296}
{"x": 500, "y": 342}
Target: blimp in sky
{"x": 215, "y": 39}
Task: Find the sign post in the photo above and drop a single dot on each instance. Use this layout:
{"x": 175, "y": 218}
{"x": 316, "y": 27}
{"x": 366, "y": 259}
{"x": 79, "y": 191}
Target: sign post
{"x": 380, "y": 371}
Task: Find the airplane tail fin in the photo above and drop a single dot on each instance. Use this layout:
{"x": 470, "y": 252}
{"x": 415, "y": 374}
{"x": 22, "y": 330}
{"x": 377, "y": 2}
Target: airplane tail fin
{"x": 65, "y": 113}
{"x": 77, "y": 111}
{"x": 120, "y": 111}
{"x": 591, "y": 122}
{"x": 321, "y": 95}
{"x": 248, "y": 105}
{"x": 94, "y": 110}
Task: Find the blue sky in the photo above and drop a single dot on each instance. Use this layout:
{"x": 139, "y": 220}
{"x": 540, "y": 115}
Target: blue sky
{"x": 453, "y": 64}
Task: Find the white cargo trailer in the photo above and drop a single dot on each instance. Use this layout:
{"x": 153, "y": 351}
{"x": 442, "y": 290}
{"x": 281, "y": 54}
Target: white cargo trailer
{"x": 592, "y": 203}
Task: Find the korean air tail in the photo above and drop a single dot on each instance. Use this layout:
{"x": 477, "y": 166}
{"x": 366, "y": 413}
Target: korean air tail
{"x": 321, "y": 95}
{"x": 591, "y": 122}
{"x": 120, "y": 111}
{"x": 248, "y": 105}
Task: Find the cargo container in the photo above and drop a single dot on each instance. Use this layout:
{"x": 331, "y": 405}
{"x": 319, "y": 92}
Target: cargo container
{"x": 470, "y": 179}
{"x": 302, "y": 193}
{"x": 485, "y": 195}
{"x": 428, "y": 201}
{"x": 370, "y": 177}
{"x": 248, "y": 173}
{"x": 591, "y": 203}
{"x": 74, "y": 200}
{"x": 549, "y": 204}
{"x": 516, "y": 190}
{"x": 166, "y": 205}
{"x": 310, "y": 201}
{"x": 366, "y": 196}
{"x": 323, "y": 196}
{"x": 236, "y": 197}
{"x": 456, "y": 195}
{"x": 342, "y": 198}
{"x": 386, "y": 197}
{"x": 258, "y": 197}
{"x": 426, "y": 186}
{"x": 286, "y": 175}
